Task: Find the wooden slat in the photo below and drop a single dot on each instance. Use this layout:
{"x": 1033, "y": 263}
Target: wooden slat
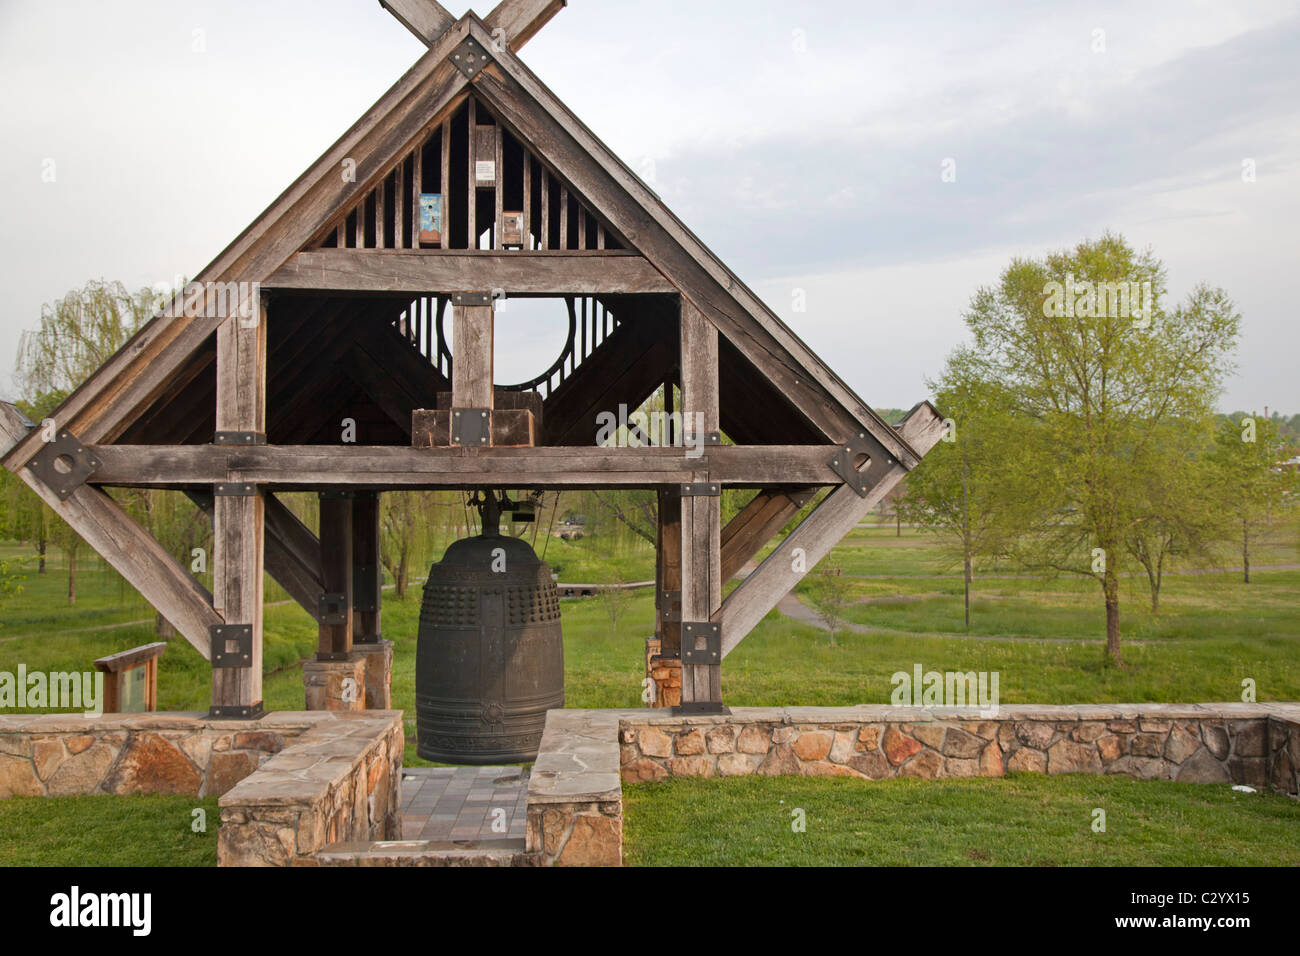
{"x": 127, "y": 547}
{"x": 830, "y": 521}
{"x": 528, "y": 198}
{"x": 499, "y": 195}
{"x": 668, "y": 570}
{"x": 472, "y": 205}
{"x": 444, "y": 183}
{"x": 471, "y": 374}
{"x": 749, "y": 531}
{"x": 564, "y": 218}
{"x": 399, "y": 200}
{"x": 544, "y": 180}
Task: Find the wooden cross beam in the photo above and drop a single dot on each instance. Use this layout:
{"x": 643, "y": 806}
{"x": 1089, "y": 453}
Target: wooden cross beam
{"x": 515, "y": 22}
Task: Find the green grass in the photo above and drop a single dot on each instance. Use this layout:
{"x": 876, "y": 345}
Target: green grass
{"x": 1022, "y": 820}
{"x": 107, "y": 831}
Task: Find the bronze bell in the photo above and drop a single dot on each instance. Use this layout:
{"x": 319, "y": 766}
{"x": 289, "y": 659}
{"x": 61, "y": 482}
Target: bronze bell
{"x": 490, "y": 657}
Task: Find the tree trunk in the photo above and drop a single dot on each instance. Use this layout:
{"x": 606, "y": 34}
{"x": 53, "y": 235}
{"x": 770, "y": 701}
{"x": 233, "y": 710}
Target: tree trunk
{"x": 1154, "y": 583}
{"x": 1110, "y": 588}
{"x": 1245, "y": 549}
{"x": 399, "y": 579}
{"x": 965, "y": 531}
{"x": 72, "y": 576}
{"x": 163, "y": 629}
{"x": 40, "y": 550}
{"x": 898, "y": 521}
{"x": 966, "y": 582}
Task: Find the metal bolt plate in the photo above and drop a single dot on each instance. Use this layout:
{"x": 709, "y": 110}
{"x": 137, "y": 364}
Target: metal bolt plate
{"x": 471, "y": 427}
{"x": 470, "y": 58}
{"x": 64, "y": 464}
{"x": 242, "y": 636}
{"x": 701, "y": 642}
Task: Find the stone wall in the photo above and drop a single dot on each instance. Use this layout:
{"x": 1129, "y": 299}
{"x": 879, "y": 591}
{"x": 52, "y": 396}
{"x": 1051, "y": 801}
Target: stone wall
{"x": 575, "y": 797}
{"x": 666, "y": 672}
{"x": 58, "y": 755}
{"x": 1196, "y": 743}
{"x": 339, "y": 782}
{"x": 1284, "y": 754}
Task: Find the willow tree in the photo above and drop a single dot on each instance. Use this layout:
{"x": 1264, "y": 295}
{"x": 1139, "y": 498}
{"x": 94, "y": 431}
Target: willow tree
{"x": 1107, "y": 376}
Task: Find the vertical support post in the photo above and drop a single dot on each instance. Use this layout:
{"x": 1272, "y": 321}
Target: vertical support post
{"x": 335, "y": 630}
{"x": 471, "y": 373}
{"x": 238, "y": 519}
{"x": 701, "y": 528}
{"x": 366, "y": 575}
{"x": 473, "y": 180}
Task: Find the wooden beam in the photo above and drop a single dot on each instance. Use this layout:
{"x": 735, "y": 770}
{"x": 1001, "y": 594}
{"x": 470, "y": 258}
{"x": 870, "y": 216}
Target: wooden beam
{"x": 471, "y": 370}
{"x": 701, "y": 547}
{"x": 437, "y": 271}
{"x": 668, "y": 573}
{"x": 766, "y": 514}
{"x": 817, "y": 534}
{"x": 427, "y": 19}
{"x": 367, "y": 576}
{"x": 132, "y": 551}
{"x": 237, "y": 520}
{"x": 519, "y": 20}
{"x": 335, "y": 624}
{"x": 395, "y": 467}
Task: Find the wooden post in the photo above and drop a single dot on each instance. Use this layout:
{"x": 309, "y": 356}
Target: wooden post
{"x": 471, "y": 374}
{"x": 366, "y": 576}
{"x": 668, "y": 574}
{"x": 335, "y": 632}
{"x": 701, "y": 531}
{"x": 238, "y": 517}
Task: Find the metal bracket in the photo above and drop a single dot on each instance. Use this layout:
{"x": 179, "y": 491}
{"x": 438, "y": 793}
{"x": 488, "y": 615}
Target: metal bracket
{"x": 693, "y": 708}
{"x": 471, "y": 298}
{"x": 710, "y": 438}
{"x": 221, "y": 635}
{"x": 471, "y": 427}
{"x": 336, "y": 493}
{"x": 332, "y": 608}
{"x": 701, "y": 489}
{"x": 64, "y": 464}
{"x": 255, "y": 712}
{"x": 670, "y": 604}
{"x": 842, "y": 463}
{"x": 239, "y": 438}
{"x": 235, "y": 489}
{"x": 470, "y": 58}
{"x": 707, "y": 633}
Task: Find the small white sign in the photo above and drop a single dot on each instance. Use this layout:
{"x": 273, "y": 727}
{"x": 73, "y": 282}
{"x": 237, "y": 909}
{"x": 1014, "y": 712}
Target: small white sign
{"x": 485, "y": 171}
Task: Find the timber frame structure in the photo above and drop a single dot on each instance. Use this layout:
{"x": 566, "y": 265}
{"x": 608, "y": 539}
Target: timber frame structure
{"x": 466, "y": 181}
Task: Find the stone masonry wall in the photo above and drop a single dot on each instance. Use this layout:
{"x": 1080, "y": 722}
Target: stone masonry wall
{"x": 59, "y": 755}
{"x": 1284, "y": 751}
{"x": 339, "y": 782}
{"x": 1199, "y": 743}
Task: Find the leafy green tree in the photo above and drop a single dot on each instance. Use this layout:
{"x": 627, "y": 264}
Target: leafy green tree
{"x": 1104, "y": 373}
{"x": 967, "y": 487}
{"x": 1254, "y": 490}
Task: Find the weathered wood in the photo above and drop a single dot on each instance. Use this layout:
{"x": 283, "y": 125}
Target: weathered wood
{"x": 668, "y": 574}
{"x": 392, "y": 468}
{"x": 830, "y": 521}
{"x": 237, "y": 522}
{"x": 119, "y": 540}
{"x": 749, "y": 531}
{"x": 519, "y": 20}
{"x": 700, "y": 514}
{"x": 507, "y": 428}
{"x": 471, "y": 200}
{"x": 471, "y": 371}
{"x": 367, "y": 575}
{"x": 423, "y": 271}
{"x": 444, "y": 183}
{"x": 129, "y": 382}
{"x": 335, "y": 624}
{"x": 537, "y": 117}
{"x": 427, "y": 19}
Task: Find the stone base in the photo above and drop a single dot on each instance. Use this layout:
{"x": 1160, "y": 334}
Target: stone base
{"x": 378, "y": 659}
{"x": 666, "y": 672}
{"x": 336, "y": 685}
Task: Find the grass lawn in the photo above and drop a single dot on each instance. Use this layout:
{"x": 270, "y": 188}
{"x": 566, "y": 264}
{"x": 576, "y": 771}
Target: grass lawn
{"x": 107, "y": 831}
{"x": 1022, "y": 820}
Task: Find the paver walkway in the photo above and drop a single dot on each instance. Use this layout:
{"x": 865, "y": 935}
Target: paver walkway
{"x": 464, "y": 804}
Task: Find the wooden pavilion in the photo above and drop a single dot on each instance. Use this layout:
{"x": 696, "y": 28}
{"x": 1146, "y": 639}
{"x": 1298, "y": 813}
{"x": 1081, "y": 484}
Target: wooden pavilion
{"x": 466, "y": 182}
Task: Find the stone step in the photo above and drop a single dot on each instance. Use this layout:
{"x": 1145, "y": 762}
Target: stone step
{"x": 428, "y": 853}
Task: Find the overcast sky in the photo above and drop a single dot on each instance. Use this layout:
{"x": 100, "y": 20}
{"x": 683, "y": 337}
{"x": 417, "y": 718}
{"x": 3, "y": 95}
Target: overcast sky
{"x": 803, "y": 142}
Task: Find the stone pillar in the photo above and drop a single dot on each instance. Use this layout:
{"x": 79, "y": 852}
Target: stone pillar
{"x": 666, "y": 672}
{"x": 378, "y": 663}
{"x": 335, "y": 685}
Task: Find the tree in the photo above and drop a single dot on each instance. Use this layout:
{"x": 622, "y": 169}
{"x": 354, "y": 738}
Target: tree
{"x": 830, "y": 595}
{"x": 967, "y": 488}
{"x": 1253, "y": 489}
{"x": 1104, "y": 375}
